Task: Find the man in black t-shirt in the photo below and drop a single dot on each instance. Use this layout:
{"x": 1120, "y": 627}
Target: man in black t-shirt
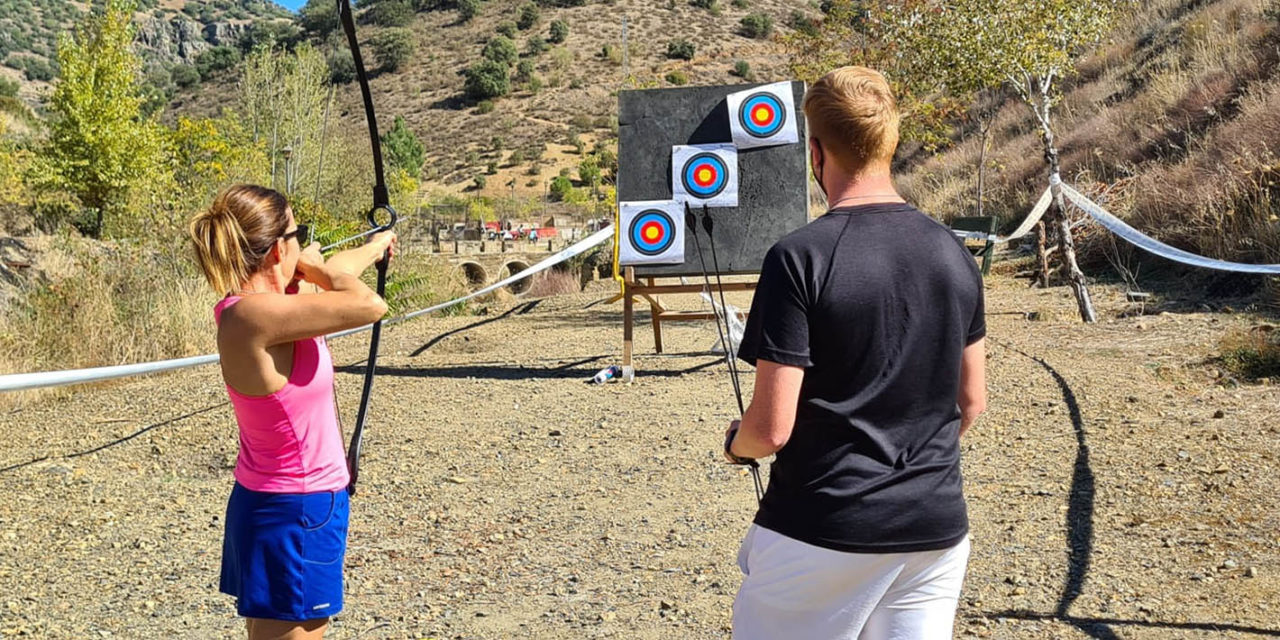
{"x": 867, "y": 333}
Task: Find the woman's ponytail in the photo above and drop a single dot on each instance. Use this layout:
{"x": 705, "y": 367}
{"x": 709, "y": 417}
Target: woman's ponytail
{"x": 232, "y": 237}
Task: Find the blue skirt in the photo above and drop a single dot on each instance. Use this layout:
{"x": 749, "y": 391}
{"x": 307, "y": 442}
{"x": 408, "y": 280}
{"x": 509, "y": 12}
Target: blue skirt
{"x": 282, "y": 554}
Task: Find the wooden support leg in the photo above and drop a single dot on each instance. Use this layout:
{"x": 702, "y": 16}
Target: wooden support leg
{"x": 628, "y": 311}
{"x": 655, "y": 311}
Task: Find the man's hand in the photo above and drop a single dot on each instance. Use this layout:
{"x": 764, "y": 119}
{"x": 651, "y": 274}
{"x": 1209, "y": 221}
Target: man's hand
{"x": 729, "y": 435}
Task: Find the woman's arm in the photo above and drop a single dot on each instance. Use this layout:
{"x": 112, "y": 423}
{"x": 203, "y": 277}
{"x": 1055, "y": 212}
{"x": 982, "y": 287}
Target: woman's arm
{"x": 973, "y": 384}
{"x": 344, "y": 302}
{"x": 767, "y": 425}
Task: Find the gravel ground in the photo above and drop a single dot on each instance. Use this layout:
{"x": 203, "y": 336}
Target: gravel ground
{"x": 1117, "y": 487}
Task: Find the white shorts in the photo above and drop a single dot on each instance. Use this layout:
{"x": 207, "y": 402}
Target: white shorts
{"x": 796, "y": 590}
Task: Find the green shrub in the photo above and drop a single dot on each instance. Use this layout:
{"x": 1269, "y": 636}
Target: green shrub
{"x": 680, "y": 49}
{"x": 485, "y": 106}
{"x": 535, "y": 45}
{"x": 742, "y": 69}
{"x": 502, "y": 50}
{"x": 342, "y": 68}
{"x": 528, "y": 16}
{"x": 479, "y": 182}
{"x": 216, "y": 59}
{"x": 756, "y": 25}
{"x": 560, "y": 188}
{"x": 393, "y": 47}
{"x": 1251, "y": 354}
{"x": 559, "y": 31}
{"x": 562, "y": 3}
{"x": 491, "y": 169}
{"x": 8, "y": 88}
{"x": 677, "y": 78}
{"x": 740, "y": 4}
{"x": 318, "y": 17}
{"x": 487, "y": 79}
{"x": 508, "y": 29}
{"x": 524, "y": 70}
{"x": 803, "y": 23}
{"x": 468, "y": 9}
{"x": 704, "y": 4}
{"x": 184, "y": 75}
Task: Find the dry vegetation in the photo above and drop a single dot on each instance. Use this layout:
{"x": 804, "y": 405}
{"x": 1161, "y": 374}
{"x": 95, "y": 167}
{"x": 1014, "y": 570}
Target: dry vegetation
{"x": 1172, "y": 123}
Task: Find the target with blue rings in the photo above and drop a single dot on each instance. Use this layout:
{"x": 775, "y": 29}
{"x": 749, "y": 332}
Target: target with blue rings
{"x": 762, "y": 115}
{"x": 705, "y": 175}
{"x": 652, "y": 232}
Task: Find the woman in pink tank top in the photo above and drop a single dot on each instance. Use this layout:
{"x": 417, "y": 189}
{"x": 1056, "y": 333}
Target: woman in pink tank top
{"x": 287, "y": 516}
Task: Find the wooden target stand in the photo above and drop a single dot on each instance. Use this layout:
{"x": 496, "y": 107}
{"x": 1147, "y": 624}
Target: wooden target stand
{"x": 651, "y": 291}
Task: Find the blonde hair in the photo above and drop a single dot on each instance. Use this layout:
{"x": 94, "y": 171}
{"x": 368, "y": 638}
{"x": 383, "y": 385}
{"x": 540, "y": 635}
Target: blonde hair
{"x": 852, "y": 112}
{"x": 234, "y": 235}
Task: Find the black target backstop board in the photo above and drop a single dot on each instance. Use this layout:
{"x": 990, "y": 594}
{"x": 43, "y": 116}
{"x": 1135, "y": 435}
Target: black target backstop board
{"x": 773, "y": 189}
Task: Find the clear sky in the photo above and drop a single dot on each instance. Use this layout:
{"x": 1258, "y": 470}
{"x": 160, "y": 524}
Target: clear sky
{"x": 292, "y": 5}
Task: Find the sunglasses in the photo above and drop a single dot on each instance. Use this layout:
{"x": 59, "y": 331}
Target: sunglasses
{"x": 302, "y": 233}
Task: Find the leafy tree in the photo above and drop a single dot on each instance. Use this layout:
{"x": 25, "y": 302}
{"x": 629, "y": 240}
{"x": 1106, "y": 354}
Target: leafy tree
{"x": 283, "y": 96}
{"x": 393, "y": 48}
{"x": 756, "y": 25}
{"x": 342, "y": 67}
{"x": 403, "y": 149}
{"x": 468, "y": 9}
{"x": 391, "y": 13}
{"x": 502, "y": 50}
{"x": 528, "y": 16}
{"x": 508, "y": 29}
{"x": 559, "y": 31}
{"x": 216, "y": 59}
{"x": 319, "y": 17}
{"x": 535, "y": 45}
{"x": 99, "y": 141}
{"x": 270, "y": 34}
{"x": 487, "y": 79}
{"x": 1029, "y": 47}
{"x": 524, "y": 70}
{"x": 561, "y": 186}
{"x": 589, "y": 173}
{"x": 184, "y": 75}
{"x": 680, "y": 49}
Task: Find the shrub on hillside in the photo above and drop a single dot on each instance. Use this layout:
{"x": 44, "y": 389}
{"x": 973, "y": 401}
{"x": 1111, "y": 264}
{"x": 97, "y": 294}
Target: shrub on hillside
{"x": 803, "y": 23}
{"x": 562, "y": 3}
{"x": 487, "y": 79}
{"x": 677, "y": 78}
{"x": 560, "y": 188}
{"x": 508, "y": 29}
{"x": 704, "y": 4}
{"x": 528, "y": 16}
{"x": 318, "y": 17}
{"x": 524, "y": 70}
{"x": 680, "y": 49}
{"x": 8, "y": 88}
{"x": 502, "y": 50}
{"x": 216, "y": 59}
{"x": 756, "y": 25}
{"x": 342, "y": 68}
{"x": 393, "y": 48}
{"x": 468, "y": 9}
{"x": 184, "y": 75}
{"x": 740, "y": 4}
{"x": 535, "y": 45}
{"x": 742, "y": 69}
{"x": 559, "y": 31}
{"x": 484, "y": 106}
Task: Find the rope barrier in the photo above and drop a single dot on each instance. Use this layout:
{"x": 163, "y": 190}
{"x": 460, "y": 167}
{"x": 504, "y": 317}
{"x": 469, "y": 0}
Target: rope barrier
{"x": 47, "y": 379}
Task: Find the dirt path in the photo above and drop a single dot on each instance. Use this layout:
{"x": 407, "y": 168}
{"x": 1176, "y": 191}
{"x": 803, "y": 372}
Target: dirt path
{"x": 503, "y": 497}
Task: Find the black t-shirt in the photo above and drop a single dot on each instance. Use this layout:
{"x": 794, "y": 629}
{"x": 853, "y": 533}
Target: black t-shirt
{"x": 877, "y": 303}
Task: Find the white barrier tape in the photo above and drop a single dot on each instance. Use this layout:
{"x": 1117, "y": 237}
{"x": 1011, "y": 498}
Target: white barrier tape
{"x": 1142, "y": 241}
{"x": 25, "y": 381}
{"x": 1037, "y": 212}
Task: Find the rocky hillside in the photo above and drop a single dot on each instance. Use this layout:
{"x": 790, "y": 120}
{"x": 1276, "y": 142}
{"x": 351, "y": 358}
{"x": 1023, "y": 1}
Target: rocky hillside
{"x": 567, "y": 99}
{"x": 170, "y": 33}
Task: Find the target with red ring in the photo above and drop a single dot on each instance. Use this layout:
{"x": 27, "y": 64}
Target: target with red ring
{"x": 652, "y": 232}
{"x": 705, "y": 175}
{"x": 762, "y": 115}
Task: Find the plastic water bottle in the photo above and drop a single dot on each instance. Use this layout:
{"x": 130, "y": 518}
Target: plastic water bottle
{"x": 606, "y": 374}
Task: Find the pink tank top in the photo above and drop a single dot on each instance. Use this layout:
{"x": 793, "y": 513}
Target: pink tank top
{"x": 290, "y": 441}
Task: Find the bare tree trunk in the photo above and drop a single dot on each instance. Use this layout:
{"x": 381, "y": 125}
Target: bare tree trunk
{"x": 985, "y": 126}
{"x": 1058, "y": 214}
{"x": 1042, "y": 252}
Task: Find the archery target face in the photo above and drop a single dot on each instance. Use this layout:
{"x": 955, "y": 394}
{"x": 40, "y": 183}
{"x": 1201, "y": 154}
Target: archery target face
{"x": 763, "y": 117}
{"x": 652, "y": 232}
{"x": 705, "y": 174}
